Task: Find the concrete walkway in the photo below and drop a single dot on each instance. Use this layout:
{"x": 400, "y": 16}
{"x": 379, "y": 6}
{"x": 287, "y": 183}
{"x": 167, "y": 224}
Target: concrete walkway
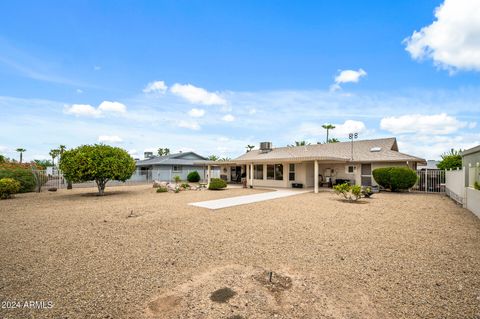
{"x": 247, "y": 199}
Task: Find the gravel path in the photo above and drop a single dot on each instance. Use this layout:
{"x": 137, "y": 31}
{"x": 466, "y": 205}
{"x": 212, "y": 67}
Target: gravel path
{"x": 393, "y": 256}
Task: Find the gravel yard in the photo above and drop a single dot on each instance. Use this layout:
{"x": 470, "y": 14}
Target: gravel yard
{"x": 305, "y": 256}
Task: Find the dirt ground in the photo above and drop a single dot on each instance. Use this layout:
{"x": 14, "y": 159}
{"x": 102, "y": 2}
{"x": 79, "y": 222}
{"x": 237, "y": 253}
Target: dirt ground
{"x": 306, "y": 256}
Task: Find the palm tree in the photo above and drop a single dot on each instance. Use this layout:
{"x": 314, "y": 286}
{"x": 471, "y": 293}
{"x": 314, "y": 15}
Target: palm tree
{"x": 225, "y": 159}
{"x": 333, "y": 140}
{"x": 213, "y": 158}
{"x": 328, "y": 127}
{"x": 300, "y": 143}
{"x": 54, "y": 153}
{"x": 166, "y": 151}
{"x": 21, "y": 151}
{"x": 249, "y": 147}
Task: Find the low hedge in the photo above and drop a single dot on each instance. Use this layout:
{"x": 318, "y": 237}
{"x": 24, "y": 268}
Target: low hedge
{"x": 216, "y": 184}
{"x": 8, "y": 187}
{"x": 395, "y": 178}
{"x": 24, "y": 176}
{"x": 193, "y": 177}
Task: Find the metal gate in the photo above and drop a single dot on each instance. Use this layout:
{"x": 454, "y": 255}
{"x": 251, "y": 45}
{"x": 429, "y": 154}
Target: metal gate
{"x": 430, "y": 181}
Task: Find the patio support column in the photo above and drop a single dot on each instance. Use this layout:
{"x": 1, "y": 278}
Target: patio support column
{"x": 251, "y": 175}
{"x": 209, "y": 174}
{"x": 315, "y": 177}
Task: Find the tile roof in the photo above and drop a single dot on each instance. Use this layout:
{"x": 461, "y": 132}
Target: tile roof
{"x": 335, "y": 152}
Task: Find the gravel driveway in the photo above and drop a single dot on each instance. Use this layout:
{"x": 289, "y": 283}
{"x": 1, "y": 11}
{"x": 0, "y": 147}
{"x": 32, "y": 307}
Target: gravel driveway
{"x": 306, "y": 256}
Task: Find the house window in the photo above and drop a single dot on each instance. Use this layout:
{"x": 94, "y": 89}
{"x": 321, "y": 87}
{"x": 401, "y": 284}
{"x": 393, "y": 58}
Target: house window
{"x": 258, "y": 171}
{"x": 177, "y": 168}
{"x": 350, "y": 169}
{"x": 278, "y": 172}
{"x": 291, "y": 173}
{"x": 275, "y": 172}
{"x": 270, "y": 172}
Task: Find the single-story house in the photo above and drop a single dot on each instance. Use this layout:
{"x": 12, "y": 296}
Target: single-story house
{"x": 315, "y": 165}
{"x": 165, "y": 168}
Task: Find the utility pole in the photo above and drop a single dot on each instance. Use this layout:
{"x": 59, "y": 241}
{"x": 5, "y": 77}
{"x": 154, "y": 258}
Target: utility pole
{"x": 352, "y": 136}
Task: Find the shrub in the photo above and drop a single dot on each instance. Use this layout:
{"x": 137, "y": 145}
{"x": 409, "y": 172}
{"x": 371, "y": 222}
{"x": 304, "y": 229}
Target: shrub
{"x": 367, "y": 192}
{"x": 350, "y": 193}
{"x": 8, "y": 187}
{"x": 162, "y": 189}
{"x": 395, "y": 178}
{"x": 177, "y": 179}
{"x": 185, "y": 186}
{"x": 193, "y": 177}
{"x": 476, "y": 185}
{"x": 24, "y": 176}
{"x": 216, "y": 184}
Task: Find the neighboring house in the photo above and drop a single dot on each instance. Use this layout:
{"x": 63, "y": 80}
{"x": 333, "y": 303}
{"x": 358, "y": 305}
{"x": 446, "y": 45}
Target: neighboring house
{"x": 471, "y": 162}
{"x": 431, "y": 164}
{"x": 316, "y": 165}
{"x": 165, "y": 168}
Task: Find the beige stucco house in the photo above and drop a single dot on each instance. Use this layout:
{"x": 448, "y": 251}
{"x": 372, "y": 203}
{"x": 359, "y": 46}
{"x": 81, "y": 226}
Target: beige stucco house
{"x": 315, "y": 165}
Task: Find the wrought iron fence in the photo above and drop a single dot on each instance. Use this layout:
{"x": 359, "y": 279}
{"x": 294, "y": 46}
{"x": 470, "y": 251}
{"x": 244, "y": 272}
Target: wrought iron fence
{"x": 430, "y": 181}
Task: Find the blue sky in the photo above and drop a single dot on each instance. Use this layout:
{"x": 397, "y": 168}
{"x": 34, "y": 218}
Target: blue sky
{"x": 214, "y": 76}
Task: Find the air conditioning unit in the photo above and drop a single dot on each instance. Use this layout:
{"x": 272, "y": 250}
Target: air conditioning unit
{"x": 147, "y": 155}
{"x": 265, "y": 147}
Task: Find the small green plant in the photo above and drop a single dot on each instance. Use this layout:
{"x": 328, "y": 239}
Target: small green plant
{"x": 177, "y": 190}
{"x": 193, "y": 177}
{"x": 177, "y": 179}
{"x": 8, "y": 187}
{"x": 185, "y": 186}
{"x": 217, "y": 184}
{"x": 162, "y": 189}
{"x": 476, "y": 185}
{"x": 367, "y": 192}
{"x": 350, "y": 193}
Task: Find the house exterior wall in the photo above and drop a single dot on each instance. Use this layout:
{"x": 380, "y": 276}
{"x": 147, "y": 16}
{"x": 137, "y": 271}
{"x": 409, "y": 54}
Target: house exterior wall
{"x": 470, "y": 160}
{"x": 166, "y": 173}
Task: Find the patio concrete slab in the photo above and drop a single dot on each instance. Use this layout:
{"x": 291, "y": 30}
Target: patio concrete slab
{"x": 247, "y": 199}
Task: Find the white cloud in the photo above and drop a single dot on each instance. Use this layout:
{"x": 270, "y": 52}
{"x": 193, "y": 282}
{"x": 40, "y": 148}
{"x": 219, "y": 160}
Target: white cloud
{"x": 87, "y": 110}
{"x": 416, "y": 123}
{"x": 110, "y": 139}
{"x": 197, "y": 95}
{"x": 97, "y": 68}
{"x": 82, "y": 110}
{"x": 193, "y": 125}
{"x": 196, "y": 112}
{"x": 228, "y": 118}
{"x": 156, "y": 87}
{"x": 452, "y": 40}
{"x": 79, "y": 91}
{"x": 347, "y": 76}
{"x": 115, "y": 107}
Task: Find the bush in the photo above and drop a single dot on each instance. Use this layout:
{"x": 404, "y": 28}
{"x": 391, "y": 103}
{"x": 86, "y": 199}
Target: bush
{"x": 8, "y": 187}
{"x": 162, "y": 189}
{"x": 193, "y": 177}
{"x": 350, "y": 193}
{"x": 24, "y": 176}
{"x": 177, "y": 179}
{"x": 216, "y": 184}
{"x": 476, "y": 185}
{"x": 185, "y": 186}
{"x": 395, "y": 178}
{"x": 367, "y": 192}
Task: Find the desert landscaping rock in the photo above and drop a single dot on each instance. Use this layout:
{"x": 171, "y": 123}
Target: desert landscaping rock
{"x": 394, "y": 256}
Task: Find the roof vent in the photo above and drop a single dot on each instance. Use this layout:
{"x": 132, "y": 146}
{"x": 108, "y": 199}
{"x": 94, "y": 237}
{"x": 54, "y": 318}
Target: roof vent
{"x": 265, "y": 147}
{"x": 375, "y": 149}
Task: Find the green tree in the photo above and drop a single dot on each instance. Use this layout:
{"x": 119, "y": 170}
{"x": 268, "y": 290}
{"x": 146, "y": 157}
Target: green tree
{"x": 451, "y": 160}
{"x": 21, "y": 151}
{"x": 54, "y": 154}
{"x": 328, "y": 127}
{"x": 300, "y": 143}
{"x": 163, "y": 151}
{"x": 333, "y": 140}
{"x": 100, "y": 163}
{"x": 3, "y": 159}
{"x": 225, "y": 159}
{"x": 213, "y": 158}
{"x": 42, "y": 164}
{"x": 249, "y": 147}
